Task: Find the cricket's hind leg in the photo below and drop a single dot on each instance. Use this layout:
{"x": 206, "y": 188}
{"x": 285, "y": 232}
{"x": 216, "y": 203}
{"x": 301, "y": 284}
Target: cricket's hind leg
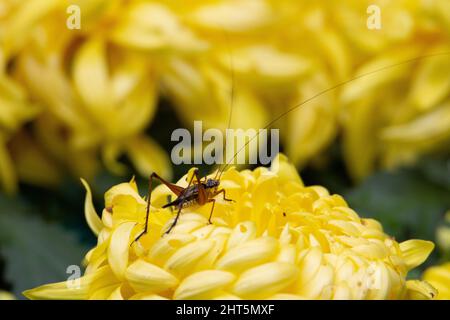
{"x": 174, "y": 223}
{"x": 149, "y": 201}
{"x": 179, "y": 202}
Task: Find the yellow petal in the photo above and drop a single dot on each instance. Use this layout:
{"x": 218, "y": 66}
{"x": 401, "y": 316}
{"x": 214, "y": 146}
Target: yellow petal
{"x": 116, "y": 294}
{"x": 362, "y": 87}
{"x": 201, "y": 283}
{"x": 239, "y": 16}
{"x": 152, "y": 26}
{"x": 137, "y": 108}
{"x": 186, "y": 259}
{"x": 423, "y": 129}
{"x": 93, "y": 220}
{"x": 420, "y": 290}
{"x": 6, "y": 296}
{"x": 119, "y": 247}
{"x": 249, "y": 254}
{"x": 439, "y": 278}
{"x": 358, "y": 135}
{"x": 126, "y": 208}
{"x": 148, "y": 157}
{"x": 147, "y": 296}
{"x": 415, "y": 252}
{"x": 167, "y": 245}
{"x": 314, "y": 287}
{"x": 431, "y": 83}
{"x": 24, "y": 20}
{"x": 269, "y": 65}
{"x": 309, "y": 265}
{"x": 147, "y": 277}
{"x": 285, "y": 170}
{"x": 243, "y": 232}
{"x": 61, "y": 290}
{"x": 91, "y": 77}
{"x": 122, "y": 189}
{"x": 264, "y": 280}
{"x": 286, "y": 296}
{"x": 317, "y": 117}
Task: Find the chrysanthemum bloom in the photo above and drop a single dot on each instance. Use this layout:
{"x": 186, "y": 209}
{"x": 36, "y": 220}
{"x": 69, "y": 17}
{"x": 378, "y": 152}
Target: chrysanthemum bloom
{"x": 402, "y": 112}
{"x": 278, "y": 240}
{"x": 439, "y": 278}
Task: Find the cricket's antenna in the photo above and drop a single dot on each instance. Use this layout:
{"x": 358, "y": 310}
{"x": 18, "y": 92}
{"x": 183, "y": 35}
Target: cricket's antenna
{"x": 232, "y": 92}
{"x": 341, "y": 84}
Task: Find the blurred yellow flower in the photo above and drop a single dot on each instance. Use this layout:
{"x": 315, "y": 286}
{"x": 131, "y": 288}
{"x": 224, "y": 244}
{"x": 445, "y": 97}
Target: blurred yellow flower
{"x": 443, "y": 234}
{"x": 98, "y": 86}
{"x": 279, "y": 240}
{"x": 439, "y": 277}
{"x": 15, "y": 110}
{"x": 4, "y": 295}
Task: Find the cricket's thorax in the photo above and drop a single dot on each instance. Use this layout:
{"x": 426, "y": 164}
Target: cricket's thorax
{"x": 191, "y": 196}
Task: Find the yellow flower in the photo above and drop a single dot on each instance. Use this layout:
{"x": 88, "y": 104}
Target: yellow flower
{"x": 443, "y": 234}
{"x": 439, "y": 277}
{"x": 4, "y": 295}
{"x": 95, "y": 99}
{"x": 15, "y": 110}
{"x": 98, "y": 86}
{"x": 394, "y": 116}
{"x": 278, "y": 240}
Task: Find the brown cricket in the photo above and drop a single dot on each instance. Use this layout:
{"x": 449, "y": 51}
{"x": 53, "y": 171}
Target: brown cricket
{"x": 198, "y": 192}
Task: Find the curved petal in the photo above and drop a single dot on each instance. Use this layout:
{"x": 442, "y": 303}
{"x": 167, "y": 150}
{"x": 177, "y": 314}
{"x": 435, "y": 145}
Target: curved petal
{"x": 420, "y": 290}
{"x": 90, "y": 73}
{"x": 92, "y": 218}
{"x": 148, "y": 157}
{"x": 147, "y": 277}
{"x": 202, "y": 282}
{"x": 285, "y": 170}
{"x": 118, "y": 249}
{"x": 62, "y": 291}
{"x": 415, "y": 252}
{"x": 265, "y": 280}
{"x": 431, "y": 83}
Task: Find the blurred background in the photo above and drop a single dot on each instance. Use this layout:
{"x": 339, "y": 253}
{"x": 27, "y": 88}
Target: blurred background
{"x": 94, "y": 89}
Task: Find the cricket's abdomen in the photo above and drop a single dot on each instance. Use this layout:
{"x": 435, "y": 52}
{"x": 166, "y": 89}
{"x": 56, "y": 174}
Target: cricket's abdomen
{"x": 189, "y": 198}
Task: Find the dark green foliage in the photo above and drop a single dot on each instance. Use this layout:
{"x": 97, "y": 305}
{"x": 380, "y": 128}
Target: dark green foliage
{"x": 34, "y": 251}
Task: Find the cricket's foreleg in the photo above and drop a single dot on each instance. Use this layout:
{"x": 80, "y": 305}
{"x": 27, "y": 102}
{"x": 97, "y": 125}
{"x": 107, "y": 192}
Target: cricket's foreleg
{"x": 214, "y": 202}
{"x": 169, "y": 200}
{"x": 224, "y": 195}
{"x": 212, "y": 209}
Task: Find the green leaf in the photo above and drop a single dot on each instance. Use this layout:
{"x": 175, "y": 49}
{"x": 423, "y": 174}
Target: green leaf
{"x": 436, "y": 170}
{"x": 35, "y": 252}
{"x": 406, "y": 201}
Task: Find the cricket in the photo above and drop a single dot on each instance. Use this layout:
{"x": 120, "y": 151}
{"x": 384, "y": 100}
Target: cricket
{"x": 202, "y": 190}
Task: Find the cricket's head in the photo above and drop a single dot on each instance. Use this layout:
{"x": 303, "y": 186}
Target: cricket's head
{"x": 212, "y": 183}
